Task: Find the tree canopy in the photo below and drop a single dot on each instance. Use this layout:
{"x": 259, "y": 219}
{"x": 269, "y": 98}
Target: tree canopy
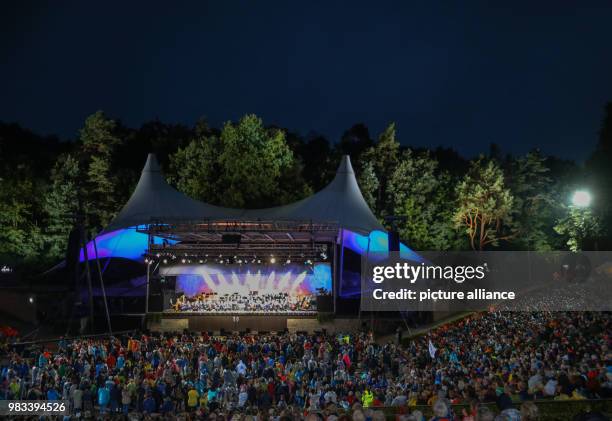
{"x": 444, "y": 201}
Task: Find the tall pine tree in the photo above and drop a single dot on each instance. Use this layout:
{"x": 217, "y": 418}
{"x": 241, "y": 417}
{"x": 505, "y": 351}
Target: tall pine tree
{"x": 99, "y": 139}
{"x": 61, "y": 203}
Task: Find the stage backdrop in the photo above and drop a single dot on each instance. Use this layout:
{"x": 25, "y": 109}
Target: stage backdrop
{"x": 294, "y": 279}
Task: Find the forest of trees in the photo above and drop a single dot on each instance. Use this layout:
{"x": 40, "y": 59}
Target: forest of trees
{"x": 493, "y": 201}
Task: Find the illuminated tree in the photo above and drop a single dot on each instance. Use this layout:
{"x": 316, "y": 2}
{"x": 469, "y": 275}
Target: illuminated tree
{"x": 60, "y": 204}
{"x": 197, "y": 169}
{"x": 578, "y": 225}
{"x": 484, "y": 205}
{"x": 99, "y": 138}
{"x": 383, "y": 158}
{"x": 423, "y": 197}
{"x": 368, "y": 184}
{"x": 251, "y": 161}
{"x": 533, "y": 203}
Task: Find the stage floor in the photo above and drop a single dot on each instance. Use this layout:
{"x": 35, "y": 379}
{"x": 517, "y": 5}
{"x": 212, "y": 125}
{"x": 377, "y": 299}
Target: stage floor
{"x": 175, "y": 321}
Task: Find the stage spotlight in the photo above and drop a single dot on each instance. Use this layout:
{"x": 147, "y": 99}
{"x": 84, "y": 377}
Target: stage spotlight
{"x": 158, "y": 255}
{"x": 259, "y": 261}
{"x": 146, "y": 260}
{"x": 31, "y": 300}
{"x": 201, "y": 261}
{"x": 165, "y": 261}
{"x": 183, "y": 260}
{"x": 272, "y": 260}
{"x": 288, "y": 261}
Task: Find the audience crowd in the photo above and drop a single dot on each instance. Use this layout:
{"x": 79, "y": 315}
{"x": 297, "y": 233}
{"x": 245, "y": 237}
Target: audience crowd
{"x": 509, "y": 359}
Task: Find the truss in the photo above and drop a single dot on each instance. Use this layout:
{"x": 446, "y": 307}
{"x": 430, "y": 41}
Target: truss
{"x": 253, "y": 240}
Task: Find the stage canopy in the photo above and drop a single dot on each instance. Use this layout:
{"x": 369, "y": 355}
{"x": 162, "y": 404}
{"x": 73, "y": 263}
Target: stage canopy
{"x": 154, "y": 201}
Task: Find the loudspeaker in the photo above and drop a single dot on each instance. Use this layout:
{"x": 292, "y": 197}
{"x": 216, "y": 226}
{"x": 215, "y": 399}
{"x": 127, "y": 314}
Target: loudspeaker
{"x": 325, "y": 303}
{"x": 169, "y": 295}
{"x": 73, "y": 254}
{"x": 156, "y": 303}
{"x": 394, "y": 241}
{"x": 73, "y": 249}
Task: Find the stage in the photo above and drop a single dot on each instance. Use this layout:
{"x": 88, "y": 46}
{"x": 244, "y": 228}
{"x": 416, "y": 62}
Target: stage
{"x": 216, "y": 324}
{"x": 209, "y": 268}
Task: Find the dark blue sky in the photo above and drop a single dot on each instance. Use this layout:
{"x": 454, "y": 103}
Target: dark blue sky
{"x": 459, "y": 74}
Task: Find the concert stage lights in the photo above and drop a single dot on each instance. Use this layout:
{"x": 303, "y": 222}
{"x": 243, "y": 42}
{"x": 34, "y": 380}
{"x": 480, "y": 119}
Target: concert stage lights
{"x": 272, "y": 260}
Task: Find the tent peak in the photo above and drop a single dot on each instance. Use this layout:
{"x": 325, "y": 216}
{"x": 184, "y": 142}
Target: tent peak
{"x": 151, "y": 165}
{"x": 345, "y": 166}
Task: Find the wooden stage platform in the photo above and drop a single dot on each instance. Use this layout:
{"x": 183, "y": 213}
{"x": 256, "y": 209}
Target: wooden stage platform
{"x": 172, "y": 322}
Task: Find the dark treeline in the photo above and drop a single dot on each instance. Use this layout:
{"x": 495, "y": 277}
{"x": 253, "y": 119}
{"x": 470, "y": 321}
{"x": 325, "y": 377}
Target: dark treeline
{"x": 449, "y": 202}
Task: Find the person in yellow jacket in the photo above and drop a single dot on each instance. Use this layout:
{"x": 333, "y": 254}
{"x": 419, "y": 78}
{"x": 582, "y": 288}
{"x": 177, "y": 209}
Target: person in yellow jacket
{"x": 367, "y": 398}
{"x": 192, "y": 398}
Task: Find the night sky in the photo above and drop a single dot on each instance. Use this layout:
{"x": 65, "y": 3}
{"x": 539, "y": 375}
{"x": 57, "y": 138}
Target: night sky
{"x": 458, "y": 74}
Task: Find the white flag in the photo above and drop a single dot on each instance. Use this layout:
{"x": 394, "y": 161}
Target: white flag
{"x": 432, "y": 349}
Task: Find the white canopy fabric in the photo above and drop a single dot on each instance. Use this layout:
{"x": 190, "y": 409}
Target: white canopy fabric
{"x": 154, "y": 199}
{"x": 340, "y": 202}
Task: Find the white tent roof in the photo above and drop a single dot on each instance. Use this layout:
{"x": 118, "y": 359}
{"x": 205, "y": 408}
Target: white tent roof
{"x": 155, "y": 200}
{"x": 341, "y": 202}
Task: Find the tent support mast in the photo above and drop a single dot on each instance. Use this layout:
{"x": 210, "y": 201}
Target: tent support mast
{"x": 363, "y": 274}
{"x": 108, "y": 320}
{"x": 88, "y": 275}
{"x": 336, "y": 281}
{"x": 341, "y": 266}
{"x": 148, "y": 277}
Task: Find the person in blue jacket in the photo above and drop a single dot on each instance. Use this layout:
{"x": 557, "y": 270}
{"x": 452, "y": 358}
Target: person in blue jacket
{"x": 149, "y": 406}
{"x": 103, "y": 398}
{"x": 53, "y": 394}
